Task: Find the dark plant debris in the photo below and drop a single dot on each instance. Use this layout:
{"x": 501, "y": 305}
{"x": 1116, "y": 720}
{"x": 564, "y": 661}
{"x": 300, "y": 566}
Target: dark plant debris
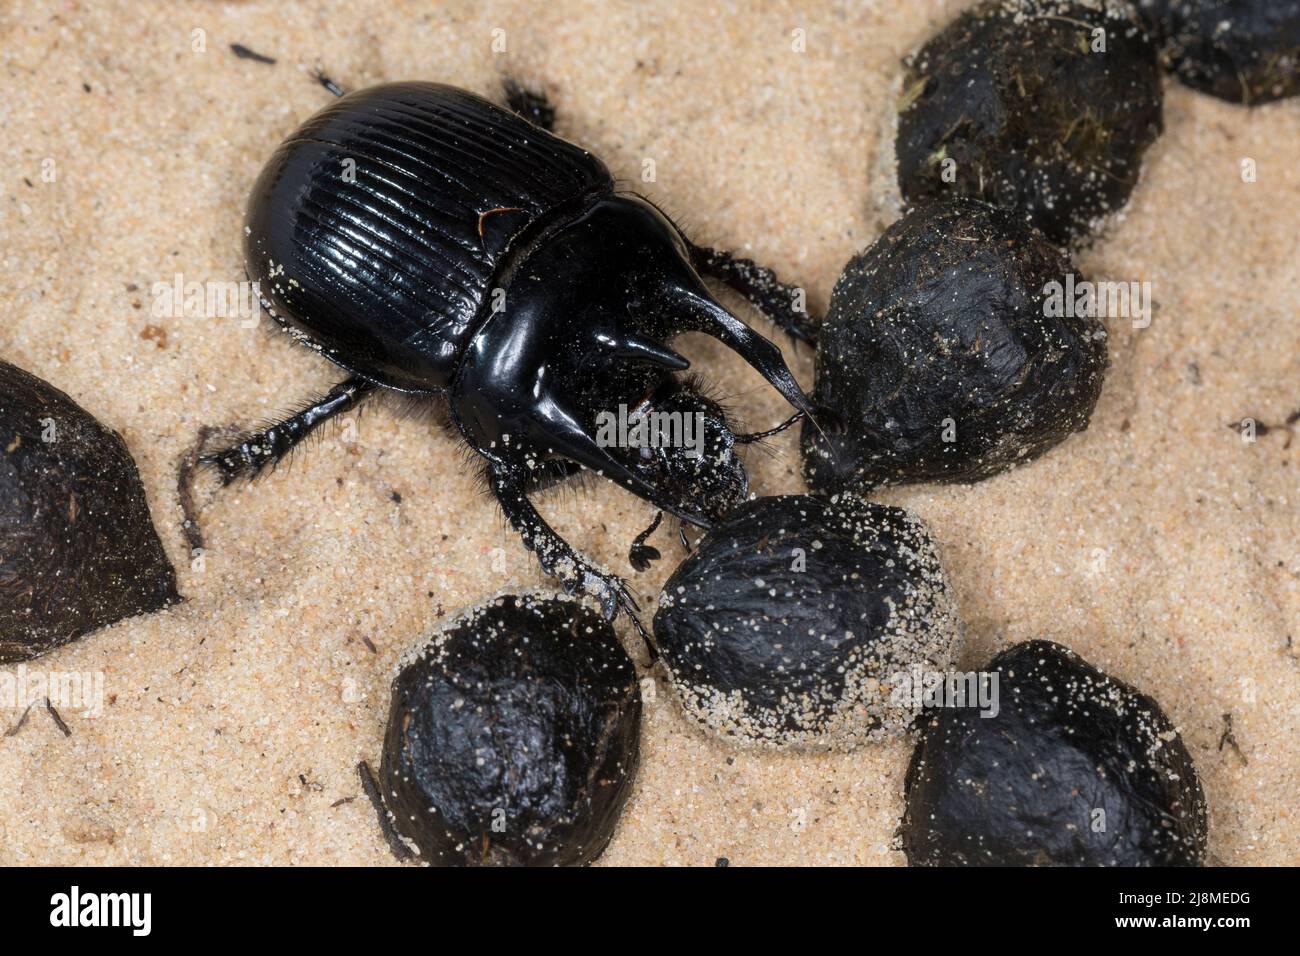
{"x": 22, "y": 722}
{"x": 244, "y": 53}
{"x": 1230, "y": 738}
{"x": 371, "y": 788}
{"x": 57, "y": 718}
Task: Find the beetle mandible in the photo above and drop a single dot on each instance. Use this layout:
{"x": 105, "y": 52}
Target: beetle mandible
{"x": 433, "y": 243}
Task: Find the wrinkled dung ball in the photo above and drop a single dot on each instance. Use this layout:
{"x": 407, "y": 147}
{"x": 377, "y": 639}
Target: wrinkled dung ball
{"x": 794, "y": 617}
{"x": 513, "y": 737}
{"x": 1242, "y": 51}
{"x": 959, "y": 345}
{"x": 1071, "y": 768}
{"x": 78, "y": 549}
{"x": 1042, "y": 106}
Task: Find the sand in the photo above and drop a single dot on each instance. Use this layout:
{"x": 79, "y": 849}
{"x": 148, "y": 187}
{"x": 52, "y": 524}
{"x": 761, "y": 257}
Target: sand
{"x": 1158, "y": 544}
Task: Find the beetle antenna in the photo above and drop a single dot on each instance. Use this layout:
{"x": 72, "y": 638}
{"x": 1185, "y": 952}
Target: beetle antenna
{"x": 750, "y": 437}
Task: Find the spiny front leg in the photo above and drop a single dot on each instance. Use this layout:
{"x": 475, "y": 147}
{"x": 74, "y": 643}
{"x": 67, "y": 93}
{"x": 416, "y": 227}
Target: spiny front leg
{"x": 267, "y": 447}
{"x": 557, "y": 557}
{"x": 779, "y": 301}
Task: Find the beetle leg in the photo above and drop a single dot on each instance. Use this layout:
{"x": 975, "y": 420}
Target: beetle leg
{"x": 641, "y": 554}
{"x": 329, "y": 84}
{"x": 534, "y": 107}
{"x": 557, "y": 556}
{"x": 780, "y": 302}
{"x": 267, "y": 447}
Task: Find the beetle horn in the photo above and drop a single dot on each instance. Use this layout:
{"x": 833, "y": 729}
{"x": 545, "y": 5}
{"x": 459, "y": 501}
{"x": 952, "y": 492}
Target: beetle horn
{"x": 637, "y": 347}
{"x": 566, "y": 436}
{"x": 709, "y": 317}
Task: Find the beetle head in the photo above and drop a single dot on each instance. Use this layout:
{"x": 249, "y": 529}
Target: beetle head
{"x": 681, "y": 443}
{"x": 587, "y": 312}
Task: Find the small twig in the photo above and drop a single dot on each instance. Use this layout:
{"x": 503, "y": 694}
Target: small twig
{"x": 1227, "y": 737}
{"x": 22, "y": 721}
{"x": 185, "y": 488}
{"x": 371, "y": 786}
{"x": 244, "y": 53}
{"x": 58, "y": 721}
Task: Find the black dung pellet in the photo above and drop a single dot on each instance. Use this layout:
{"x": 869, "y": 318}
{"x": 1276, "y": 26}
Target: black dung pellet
{"x": 942, "y": 359}
{"x": 792, "y": 617}
{"x": 78, "y": 549}
{"x": 1243, "y": 51}
{"x": 513, "y": 737}
{"x": 1043, "y": 106}
{"x": 1075, "y": 768}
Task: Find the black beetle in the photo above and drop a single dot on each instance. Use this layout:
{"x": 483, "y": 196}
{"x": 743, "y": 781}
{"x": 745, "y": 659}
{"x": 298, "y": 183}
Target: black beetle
{"x": 433, "y": 243}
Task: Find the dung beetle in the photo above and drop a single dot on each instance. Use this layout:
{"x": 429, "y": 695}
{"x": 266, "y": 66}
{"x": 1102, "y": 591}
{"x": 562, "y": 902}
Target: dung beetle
{"x": 433, "y": 243}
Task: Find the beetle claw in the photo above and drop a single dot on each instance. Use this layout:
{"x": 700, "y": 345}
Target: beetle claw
{"x": 642, "y": 556}
{"x": 230, "y": 464}
{"x": 607, "y": 593}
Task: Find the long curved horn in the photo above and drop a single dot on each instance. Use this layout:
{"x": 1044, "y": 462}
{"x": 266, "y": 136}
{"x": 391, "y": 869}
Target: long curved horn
{"x": 709, "y": 317}
{"x": 566, "y": 436}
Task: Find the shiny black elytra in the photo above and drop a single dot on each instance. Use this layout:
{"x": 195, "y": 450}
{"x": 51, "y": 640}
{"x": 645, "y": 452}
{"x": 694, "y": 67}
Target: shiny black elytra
{"x": 433, "y": 243}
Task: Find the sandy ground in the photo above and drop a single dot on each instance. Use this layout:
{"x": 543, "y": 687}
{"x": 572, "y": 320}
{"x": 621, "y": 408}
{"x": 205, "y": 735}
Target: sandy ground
{"x": 1158, "y": 544}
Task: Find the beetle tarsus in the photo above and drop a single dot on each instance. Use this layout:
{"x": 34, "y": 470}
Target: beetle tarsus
{"x": 532, "y": 106}
{"x": 640, "y": 555}
{"x": 777, "y": 300}
{"x": 256, "y": 451}
{"x": 326, "y": 82}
